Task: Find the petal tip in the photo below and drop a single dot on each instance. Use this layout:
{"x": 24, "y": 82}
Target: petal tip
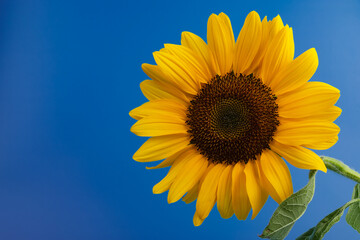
{"x": 212, "y": 16}
{"x": 323, "y": 168}
{"x": 197, "y": 220}
{"x": 136, "y": 157}
{"x": 132, "y": 115}
{"x": 253, "y": 12}
{"x": 156, "y": 189}
{"x": 253, "y": 216}
{"x": 254, "y": 15}
{"x": 171, "y": 198}
{"x": 144, "y": 65}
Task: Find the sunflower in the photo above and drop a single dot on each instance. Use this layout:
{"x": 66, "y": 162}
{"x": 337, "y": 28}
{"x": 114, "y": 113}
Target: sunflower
{"x": 224, "y": 115}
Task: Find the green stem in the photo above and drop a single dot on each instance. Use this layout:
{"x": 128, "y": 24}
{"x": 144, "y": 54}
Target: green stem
{"x": 341, "y": 168}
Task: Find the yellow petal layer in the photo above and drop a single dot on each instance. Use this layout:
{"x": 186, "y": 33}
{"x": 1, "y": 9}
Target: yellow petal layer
{"x": 198, "y": 45}
{"x": 159, "y": 126}
{"x": 188, "y": 177}
{"x": 191, "y": 62}
{"x": 207, "y": 194}
{"x": 275, "y": 26}
{"x": 256, "y": 64}
{"x": 315, "y": 135}
{"x": 299, "y": 157}
{"x": 279, "y": 53}
{"x": 179, "y": 75}
{"x": 310, "y": 99}
{"x": 152, "y": 90}
{"x": 257, "y": 195}
{"x": 169, "y": 161}
{"x": 161, "y": 83}
{"x": 240, "y": 199}
{"x": 221, "y": 41}
{"x": 162, "y": 107}
{"x": 330, "y": 114}
{"x": 248, "y": 43}
{"x": 269, "y": 30}
{"x": 157, "y": 148}
{"x": 192, "y": 194}
{"x": 296, "y": 74}
{"x": 197, "y": 220}
{"x": 154, "y": 72}
{"x": 277, "y": 174}
{"x": 224, "y": 204}
{"x": 175, "y": 169}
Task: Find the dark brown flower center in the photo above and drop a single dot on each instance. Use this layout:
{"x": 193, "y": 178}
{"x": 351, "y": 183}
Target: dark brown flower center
{"x": 233, "y": 118}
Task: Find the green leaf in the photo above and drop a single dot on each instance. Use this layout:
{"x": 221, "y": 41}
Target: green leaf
{"x": 353, "y": 215}
{"x": 318, "y": 232}
{"x": 289, "y": 211}
{"x": 307, "y": 234}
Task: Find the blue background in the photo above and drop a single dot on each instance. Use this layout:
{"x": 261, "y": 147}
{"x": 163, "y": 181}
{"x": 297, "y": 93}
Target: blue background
{"x": 69, "y": 75}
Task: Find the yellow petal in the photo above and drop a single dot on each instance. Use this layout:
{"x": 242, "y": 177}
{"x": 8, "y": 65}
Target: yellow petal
{"x": 198, "y": 45}
{"x": 227, "y": 24}
{"x": 169, "y": 161}
{"x": 159, "y": 126}
{"x": 279, "y": 53}
{"x": 192, "y": 194}
{"x": 166, "y": 163}
{"x": 268, "y": 187}
{"x": 330, "y": 115}
{"x": 221, "y": 42}
{"x": 157, "y": 148}
{"x": 211, "y": 165}
{"x": 312, "y": 98}
{"x": 154, "y": 72}
{"x": 277, "y": 174}
{"x": 315, "y": 135}
{"x": 207, "y": 194}
{"x": 257, "y": 195}
{"x": 175, "y": 169}
{"x": 275, "y": 26}
{"x": 269, "y": 31}
{"x": 256, "y": 64}
{"x": 296, "y": 74}
{"x": 299, "y": 157}
{"x": 188, "y": 177}
{"x": 180, "y": 76}
{"x": 197, "y": 220}
{"x": 240, "y": 199}
{"x": 160, "y": 107}
{"x": 224, "y": 195}
{"x": 153, "y": 89}
{"x": 323, "y": 145}
{"x": 163, "y": 81}
{"x": 192, "y": 61}
{"x": 194, "y": 191}
{"x": 248, "y": 43}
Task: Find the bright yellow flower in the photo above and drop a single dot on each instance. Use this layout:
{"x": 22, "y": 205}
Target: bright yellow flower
{"x": 223, "y": 114}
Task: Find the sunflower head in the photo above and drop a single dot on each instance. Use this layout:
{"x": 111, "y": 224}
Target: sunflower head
{"x": 232, "y": 118}
{"x": 223, "y": 115}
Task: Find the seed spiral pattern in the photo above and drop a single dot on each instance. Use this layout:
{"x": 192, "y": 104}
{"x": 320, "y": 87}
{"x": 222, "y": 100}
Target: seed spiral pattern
{"x": 233, "y": 118}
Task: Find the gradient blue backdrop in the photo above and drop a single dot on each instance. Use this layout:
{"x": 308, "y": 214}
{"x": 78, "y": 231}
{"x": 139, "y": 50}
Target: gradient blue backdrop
{"x": 70, "y": 73}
